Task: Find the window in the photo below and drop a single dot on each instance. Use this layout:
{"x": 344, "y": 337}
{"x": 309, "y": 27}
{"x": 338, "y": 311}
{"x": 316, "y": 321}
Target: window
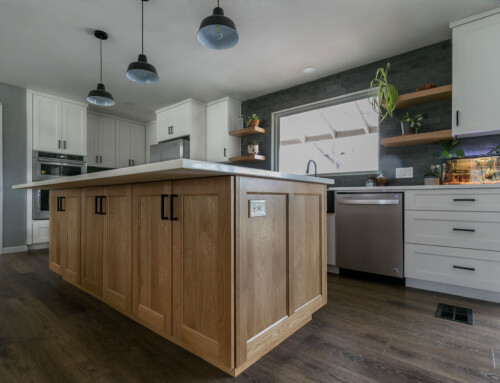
{"x": 341, "y": 135}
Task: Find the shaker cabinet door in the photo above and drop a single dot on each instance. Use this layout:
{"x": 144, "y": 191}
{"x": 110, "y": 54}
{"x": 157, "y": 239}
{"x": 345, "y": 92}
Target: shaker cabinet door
{"x": 47, "y": 124}
{"x": 74, "y": 129}
{"x": 152, "y": 255}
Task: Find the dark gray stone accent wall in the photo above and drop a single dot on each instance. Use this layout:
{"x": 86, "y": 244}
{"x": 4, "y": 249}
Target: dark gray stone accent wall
{"x": 430, "y": 64}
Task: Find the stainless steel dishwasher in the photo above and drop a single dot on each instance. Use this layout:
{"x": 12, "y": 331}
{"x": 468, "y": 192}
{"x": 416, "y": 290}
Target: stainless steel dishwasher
{"x": 369, "y": 232}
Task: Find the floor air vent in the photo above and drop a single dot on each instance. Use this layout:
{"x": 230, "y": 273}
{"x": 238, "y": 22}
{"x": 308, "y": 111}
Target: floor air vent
{"x": 454, "y": 313}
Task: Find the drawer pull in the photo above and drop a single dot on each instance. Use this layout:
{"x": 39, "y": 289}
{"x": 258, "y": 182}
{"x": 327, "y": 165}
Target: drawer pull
{"x": 468, "y": 230}
{"x": 464, "y": 268}
{"x": 163, "y": 216}
{"x": 464, "y": 200}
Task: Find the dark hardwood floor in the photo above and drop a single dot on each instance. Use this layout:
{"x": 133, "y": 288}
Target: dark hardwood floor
{"x": 369, "y": 332}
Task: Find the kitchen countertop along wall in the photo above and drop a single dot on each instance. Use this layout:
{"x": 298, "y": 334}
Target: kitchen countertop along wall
{"x": 408, "y": 70}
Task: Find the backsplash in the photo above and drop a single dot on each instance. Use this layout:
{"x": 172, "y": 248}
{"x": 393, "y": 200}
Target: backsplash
{"x": 431, "y": 64}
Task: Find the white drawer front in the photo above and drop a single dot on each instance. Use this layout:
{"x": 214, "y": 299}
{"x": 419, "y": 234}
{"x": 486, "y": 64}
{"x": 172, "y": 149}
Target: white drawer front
{"x": 455, "y": 229}
{"x": 454, "y": 200}
{"x": 476, "y": 269}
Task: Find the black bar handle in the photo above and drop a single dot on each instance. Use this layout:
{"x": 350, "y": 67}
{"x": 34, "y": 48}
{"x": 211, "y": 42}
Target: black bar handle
{"x": 456, "y": 121}
{"x": 172, "y": 196}
{"x": 225, "y": 152}
{"x": 61, "y": 199}
{"x": 57, "y": 199}
{"x": 468, "y": 230}
{"x": 96, "y": 207}
{"x": 100, "y": 205}
{"x": 163, "y": 216}
{"x": 464, "y": 200}
{"x": 464, "y": 268}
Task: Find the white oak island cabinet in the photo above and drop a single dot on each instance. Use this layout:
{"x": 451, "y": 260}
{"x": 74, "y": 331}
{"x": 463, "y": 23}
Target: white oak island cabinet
{"x": 226, "y": 262}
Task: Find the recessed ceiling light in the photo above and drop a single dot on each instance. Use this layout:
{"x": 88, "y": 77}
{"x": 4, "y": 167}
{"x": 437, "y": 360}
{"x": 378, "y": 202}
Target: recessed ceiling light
{"x": 309, "y": 70}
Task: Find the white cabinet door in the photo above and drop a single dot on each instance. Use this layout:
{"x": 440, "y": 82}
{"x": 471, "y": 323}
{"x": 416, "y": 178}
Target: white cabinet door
{"x": 222, "y": 117}
{"x": 92, "y": 140}
{"x": 217, "y": 132}
{"x": 138, "y": 144}
{"x": 164, "y": 121}
{"x": 476, "y": 80}
{"x": 123, "y": 144}
{"x": 46, "y": 124}
{"x": 150, "y": 139}
{"x": 107, "y": 142}
{"x": 181, "y": 124}
{"x": 74, "y": 129}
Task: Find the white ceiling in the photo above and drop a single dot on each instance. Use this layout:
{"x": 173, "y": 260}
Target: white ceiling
{"x": 48, "y": 45}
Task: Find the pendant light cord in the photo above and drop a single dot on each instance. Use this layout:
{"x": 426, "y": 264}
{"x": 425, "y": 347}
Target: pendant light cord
{"x": 142, "y": 28}
{"x": 100, "y": 55}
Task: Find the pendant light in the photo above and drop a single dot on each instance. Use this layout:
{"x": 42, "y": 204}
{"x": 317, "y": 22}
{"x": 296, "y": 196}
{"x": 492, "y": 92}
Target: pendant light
{"x": 99, "y": 96}
{"x": 142, "y": 71}
{"x": 218, "y": 31}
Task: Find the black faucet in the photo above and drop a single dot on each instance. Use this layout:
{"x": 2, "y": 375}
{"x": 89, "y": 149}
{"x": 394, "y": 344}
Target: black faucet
{"x": 315, "y": 168}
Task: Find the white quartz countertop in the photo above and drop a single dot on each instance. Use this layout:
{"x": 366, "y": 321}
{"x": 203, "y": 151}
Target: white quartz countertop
{"x": 374, "y": 189}
{"x": 162, "y": 171}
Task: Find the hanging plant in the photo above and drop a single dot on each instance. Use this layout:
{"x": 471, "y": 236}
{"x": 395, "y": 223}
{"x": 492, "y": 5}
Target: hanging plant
{"x": 385, "y": 98}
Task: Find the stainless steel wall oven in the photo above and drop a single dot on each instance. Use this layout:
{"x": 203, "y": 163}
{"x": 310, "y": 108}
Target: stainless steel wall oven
{"x": 52, "y": 165}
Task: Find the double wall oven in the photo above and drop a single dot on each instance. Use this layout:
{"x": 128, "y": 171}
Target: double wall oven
{"x": 48, "y": 166}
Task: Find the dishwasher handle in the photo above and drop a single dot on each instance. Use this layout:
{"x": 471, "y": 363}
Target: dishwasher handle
{"x": 350, "y": 201}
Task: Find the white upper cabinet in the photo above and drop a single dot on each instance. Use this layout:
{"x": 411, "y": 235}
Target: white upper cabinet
{"x": 59, "y": 126}
{"x": 46, "y": 124}
{"x": 74, "y": 128}
{"x": 222, "y": 117}
{"x": 150, "y": 138}
{"x": 476, "y": 79}
{"x": 186, "y": 118}
{"x": 101, "y": 141}
{"x": 130, "y": 144}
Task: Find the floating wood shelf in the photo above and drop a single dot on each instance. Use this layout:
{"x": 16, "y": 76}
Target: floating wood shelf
{"x": 417, "y": 139}
{"x": 247, "y": 132}
{"x": 424, "y": 97}
{"x": 248, "y": 158}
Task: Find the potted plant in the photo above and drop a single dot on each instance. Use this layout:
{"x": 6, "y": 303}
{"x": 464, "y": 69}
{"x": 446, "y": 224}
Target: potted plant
{"x": 385, "y": 98}
{"x": 253, "y": 146}
{"x": 253, "y": 121}
{"x": 432, "y": 175}
{"x": 495, "y": 151}
{"x": 447, "y": 152}
{"x": 409, "y": 121}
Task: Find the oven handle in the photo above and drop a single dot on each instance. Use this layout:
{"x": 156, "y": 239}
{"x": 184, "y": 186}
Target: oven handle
{"x": 347, "y": 201}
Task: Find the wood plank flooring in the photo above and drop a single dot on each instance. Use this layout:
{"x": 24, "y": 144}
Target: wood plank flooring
{"x": 369, "y": 332}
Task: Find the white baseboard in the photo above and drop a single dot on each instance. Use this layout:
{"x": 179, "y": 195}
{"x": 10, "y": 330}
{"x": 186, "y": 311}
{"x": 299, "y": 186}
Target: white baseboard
{"x": 461, "y": 291}
{"x": 15, "y": 249}
{"x": 38, "y": 246}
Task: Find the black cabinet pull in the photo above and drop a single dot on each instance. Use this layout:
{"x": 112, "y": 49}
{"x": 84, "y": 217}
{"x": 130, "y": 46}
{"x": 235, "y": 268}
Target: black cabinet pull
{"x": 464, "y": 200}
{"x": 464, "y": 268}
{"x": 456, "y": 121}
{"x": 468, "y": 230}
{"x": 100, "y": 205}
{"x": 172, "y": 129}
{"x": 163, "y": 216}
{"x": 58, "y": 203}
{"x": 96, "y": 207}
{"x": 172, "y": 196}
{"x": 61, "y": 199}
{"x": 64, "y": 144}
{"x": 225, "y": 151}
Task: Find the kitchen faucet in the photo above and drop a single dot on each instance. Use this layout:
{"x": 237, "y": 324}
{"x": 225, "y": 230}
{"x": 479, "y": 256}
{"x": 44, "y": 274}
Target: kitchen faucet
{"x": 315, "y": 168}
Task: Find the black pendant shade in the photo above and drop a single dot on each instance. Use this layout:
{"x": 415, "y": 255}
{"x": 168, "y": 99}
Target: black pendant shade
{"x": 100, "y": 96}
{"x": 141, "y": 71}
{"x": 218, "y": 31}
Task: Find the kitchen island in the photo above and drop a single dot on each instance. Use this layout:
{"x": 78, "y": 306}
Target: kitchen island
{"x": 225, "y": 261}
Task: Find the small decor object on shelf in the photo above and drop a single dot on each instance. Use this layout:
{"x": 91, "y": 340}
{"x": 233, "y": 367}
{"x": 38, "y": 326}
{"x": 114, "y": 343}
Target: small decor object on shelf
{"x": 409, "y": 122}
{"x": 432, "y": 175}
{"x": 381, "y": 180}
{"x": 253, "y": 146}
{"x": 253, "y": 121}
{"x": 426, "y": 86}
{"x": 385, "y": 99}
